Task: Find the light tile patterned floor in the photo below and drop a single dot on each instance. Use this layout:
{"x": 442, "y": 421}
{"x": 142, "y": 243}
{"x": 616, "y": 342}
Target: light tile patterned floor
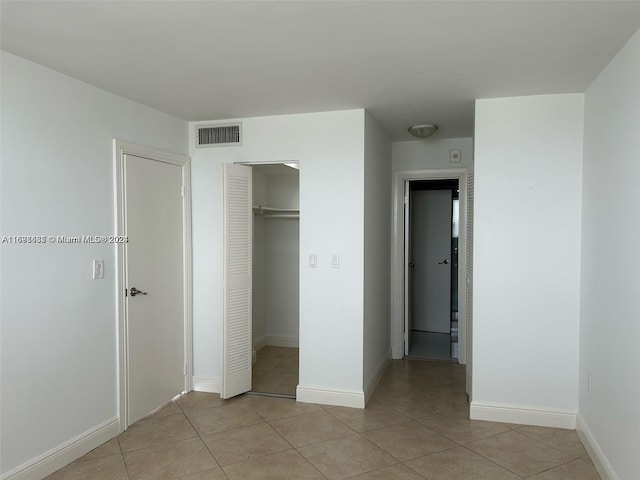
{"x": 416, "y": 427}
{"x": 275, "y": 371}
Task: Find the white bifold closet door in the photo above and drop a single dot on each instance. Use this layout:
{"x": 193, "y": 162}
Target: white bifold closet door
{"x": 238, "y": 221}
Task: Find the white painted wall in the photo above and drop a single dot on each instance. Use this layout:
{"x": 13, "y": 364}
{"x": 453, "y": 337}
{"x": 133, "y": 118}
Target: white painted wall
{"x": 330, "y": 148}
{"x": 282, "y": 263}
{"x": 431, "y": 154}
{"x": 528, "y": 169}
{"x": 377, "y": 252}
{"x": 610, "y": 327}
{"x": 58, "y": 328}
{"x": 282, "y": 281}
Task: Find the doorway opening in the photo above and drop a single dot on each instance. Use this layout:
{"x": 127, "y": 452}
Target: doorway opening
{"x": 400, "y": 292}
{"x": 275, "y": 279}
{"x": 432, "y": 253}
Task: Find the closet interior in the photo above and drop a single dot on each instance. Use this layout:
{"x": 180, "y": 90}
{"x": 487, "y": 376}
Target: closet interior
{"x": 276, "y": 227}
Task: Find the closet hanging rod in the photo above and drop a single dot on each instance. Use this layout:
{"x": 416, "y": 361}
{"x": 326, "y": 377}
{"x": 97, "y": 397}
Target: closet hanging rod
{"x": 272, "y": 209}
{"x": 280, "y": 215}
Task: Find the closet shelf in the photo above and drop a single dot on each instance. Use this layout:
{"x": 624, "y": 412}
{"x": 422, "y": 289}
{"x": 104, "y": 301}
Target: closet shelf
{"x": 270, "y": 212}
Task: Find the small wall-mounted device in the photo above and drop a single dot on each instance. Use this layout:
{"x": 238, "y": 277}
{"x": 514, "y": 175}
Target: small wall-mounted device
{"x": 98, "y": 269}
{"x": 455, "y": 155}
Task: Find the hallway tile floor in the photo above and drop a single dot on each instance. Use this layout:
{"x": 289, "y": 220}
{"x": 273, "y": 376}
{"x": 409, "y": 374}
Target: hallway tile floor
{"x": 415, "y": 427}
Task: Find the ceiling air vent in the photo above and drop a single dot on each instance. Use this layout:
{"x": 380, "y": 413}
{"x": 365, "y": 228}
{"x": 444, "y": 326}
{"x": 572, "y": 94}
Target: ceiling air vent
{"x": 219, "y": 135}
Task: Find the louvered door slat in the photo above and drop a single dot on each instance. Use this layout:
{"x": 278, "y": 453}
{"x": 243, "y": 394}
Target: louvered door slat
{"x": 237, "y": 281}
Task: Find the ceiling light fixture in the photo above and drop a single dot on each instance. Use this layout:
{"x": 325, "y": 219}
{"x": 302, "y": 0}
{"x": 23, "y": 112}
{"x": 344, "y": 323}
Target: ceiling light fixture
{"x": 423, "y": 131}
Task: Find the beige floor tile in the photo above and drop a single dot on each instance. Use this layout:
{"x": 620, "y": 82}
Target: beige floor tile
{"x": 219, "y": 419}
{"x": 263, "y": 366}
{"x": 564, "y": 440}
{"x": 376, "y": 415}
{"x": 276, "y": 382}
{"x": 519, "y": 454}
{"x": 243, "y": 444}
{"x": 171, "y": 408}
{"x": 112, "y": 447}
{"x": 170, "y": 461}
{"x": 462, "y": 430}
{"x": 459, "y": 464}
{"x": 273, "y": 408}
{"x": 581, "y": 469}
{"x": 199, "y": 400}
{"x": 156, "y": 431}
{"x": 346, "y": 457}
{"x": 310, "y": 428}
{"x": 213, "y": 474}
{"x": 450, "y": 398}
{"x": 290, "y": 365}
{"x": 289, "y": 465}
{"x": 419, "y": 405}
{"x": 389, "y": 390}
{"x": 408, "y": 440}
{"x": 394, "y": 472}
{"x": 107, "y": 468}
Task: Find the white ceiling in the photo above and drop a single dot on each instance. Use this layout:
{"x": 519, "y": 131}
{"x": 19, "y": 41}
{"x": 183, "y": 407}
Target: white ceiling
{"x": 405, "y": 62}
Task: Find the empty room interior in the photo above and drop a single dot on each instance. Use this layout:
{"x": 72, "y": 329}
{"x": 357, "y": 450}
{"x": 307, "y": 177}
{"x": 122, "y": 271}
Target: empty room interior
{"x": 377, "y": 239}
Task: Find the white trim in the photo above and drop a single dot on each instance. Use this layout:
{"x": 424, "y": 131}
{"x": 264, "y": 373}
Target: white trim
{"x": 65, "y": 453}
{"x": 597, "y": 455}
{"x": 204, "y": 384}
{"x": 371, "y": 385}
{"x": 523, "y": 415}
{"x": 329, "y": 396}
{"x": 397, "y": 255}
{"x": 120, "y": 149}
{"x": 288, "y": 341}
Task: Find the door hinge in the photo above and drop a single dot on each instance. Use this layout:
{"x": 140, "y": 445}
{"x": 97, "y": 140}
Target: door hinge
{"x": 126, "y": 293}
{"x": 182, "y": 191}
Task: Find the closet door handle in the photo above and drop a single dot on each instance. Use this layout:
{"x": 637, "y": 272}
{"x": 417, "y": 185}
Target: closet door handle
{"x": 444, "y": 262}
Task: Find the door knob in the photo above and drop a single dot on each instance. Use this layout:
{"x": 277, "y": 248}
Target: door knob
{"x": 444, "y": 262}
{"x": 411, "y": 264}
{"x": 134, "y": 291}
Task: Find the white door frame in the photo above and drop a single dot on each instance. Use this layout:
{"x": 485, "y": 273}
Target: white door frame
{"x": 398, "y": 256}
{"x": 120, "y": 149}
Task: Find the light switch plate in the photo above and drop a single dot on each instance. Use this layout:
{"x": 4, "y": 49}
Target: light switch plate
{"x": 334, "y": 260}
{"x": 98, "y": 269}
{"x": 313, "y": 260}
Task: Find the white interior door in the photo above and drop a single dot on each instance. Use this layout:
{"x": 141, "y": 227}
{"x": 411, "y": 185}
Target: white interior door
{"x": 237, "y": 268}
{"x": 431, "y": 256}
{"x": 154, "y": 265}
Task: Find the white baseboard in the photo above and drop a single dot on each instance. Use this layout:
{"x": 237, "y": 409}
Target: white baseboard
{"x": 523, "y": 414}
{"x": 597, "y": 455}
{"x": 65, "y": 453}
{"x": 282, "y": 341}
{"x": 204, "y": 384}
{"x": 329, "y": 396}
{"x": 371, "y": 385}
{"x": 259, "y": 343}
